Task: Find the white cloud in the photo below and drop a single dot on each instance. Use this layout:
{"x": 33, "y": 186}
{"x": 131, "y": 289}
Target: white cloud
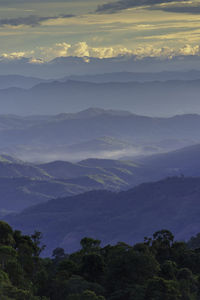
{"x": 16, "y": 55}
{"x": 190, "y": 50}
{"x": 82, "y": 49}
{"x": 57, "y": 50}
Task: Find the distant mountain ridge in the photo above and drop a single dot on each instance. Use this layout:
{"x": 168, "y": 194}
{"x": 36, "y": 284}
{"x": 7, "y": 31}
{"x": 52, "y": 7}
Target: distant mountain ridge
{"x": 128, "y": 216}
{"x": 150, "y": 98}
{"x": 94, "y": 132}
{"x": 26, "y": 82}
{"x": 63, "y": 66}
{"x": 137, "y": 76}
{"x": 19, "y": 81}
{"x": 23, "y": 184}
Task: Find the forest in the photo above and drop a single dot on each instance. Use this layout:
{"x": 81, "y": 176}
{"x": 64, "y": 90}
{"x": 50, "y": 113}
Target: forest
{"x": 158, "y": 268}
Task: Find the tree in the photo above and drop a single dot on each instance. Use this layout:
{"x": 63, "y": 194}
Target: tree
{"x": 162, "y": 243}
{"x": 159, "y": 288}
{"x": 6, "y": 234}
{"x": 90, "y": 245}
{"x": 6, "y": 253}
{"x": 93, "y": 267}
{"x": 36, "y": 238}
{"x": 58, "y": 254}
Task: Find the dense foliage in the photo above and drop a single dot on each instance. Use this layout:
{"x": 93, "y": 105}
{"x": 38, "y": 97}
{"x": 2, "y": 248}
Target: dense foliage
{"x": 158, "y": 268}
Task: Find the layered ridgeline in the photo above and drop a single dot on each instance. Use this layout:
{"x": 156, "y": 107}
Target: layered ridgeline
{"x": 150, "y": 98}
{"x": 24, "y": 184}
{"x": 171, "y": 203}
{"x": 94, "y": 133}
{"x": 25, "y": 82}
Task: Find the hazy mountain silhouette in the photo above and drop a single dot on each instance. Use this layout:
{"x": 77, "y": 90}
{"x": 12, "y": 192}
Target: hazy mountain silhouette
{"x": 23, "y": 184}
{"x": 129, "y": 216}
{"x": 94, "y": 133}
{"x": 137, "y": 77}
{"x": 150, "y": 98}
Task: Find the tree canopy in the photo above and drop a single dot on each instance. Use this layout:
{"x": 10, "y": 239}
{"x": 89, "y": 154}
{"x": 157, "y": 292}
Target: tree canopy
{"x": 158, "y": 268}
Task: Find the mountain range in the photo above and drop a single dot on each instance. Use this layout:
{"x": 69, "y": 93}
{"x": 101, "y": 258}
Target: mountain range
{"x": 128, "y": 216}
{"x": 23, "y": 184}
{"x": 27, "y": 82}
{"x": 150, "y": 98}
{"x": 66, "y": 66}
{"x": 96, "y": 133}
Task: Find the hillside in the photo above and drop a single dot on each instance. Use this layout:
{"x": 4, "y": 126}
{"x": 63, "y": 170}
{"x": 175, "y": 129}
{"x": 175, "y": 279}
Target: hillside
{"x": 183, "y": 161}
{"x": 11, "y": 167}
{"x": 23, "y": 184}
{"x": 172, "y": 203}
{"x": 41, "y": 182}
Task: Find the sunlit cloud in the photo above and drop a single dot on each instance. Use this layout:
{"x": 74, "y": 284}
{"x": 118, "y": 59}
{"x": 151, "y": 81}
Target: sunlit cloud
{"x": 16, "y": 55}
{"x": 82, "y": 49}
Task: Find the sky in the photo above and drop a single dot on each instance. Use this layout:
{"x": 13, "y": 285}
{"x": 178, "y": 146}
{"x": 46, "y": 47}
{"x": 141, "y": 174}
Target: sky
{"x": 46, "y": 29}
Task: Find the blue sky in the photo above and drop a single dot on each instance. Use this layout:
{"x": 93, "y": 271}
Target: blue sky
{"x": 47, "y": 29}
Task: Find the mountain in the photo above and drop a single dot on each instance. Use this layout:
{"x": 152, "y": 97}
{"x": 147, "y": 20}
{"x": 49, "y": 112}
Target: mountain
{"x": 102, "y": 144}
{"x": 172, "y": 203}
{"x": 8, "y": 81}
{"x": 11, "y": 167}
{"x": 150, "y": 98}
{"x": 183, "y": 161}
{"x": 138, "y": 77}
{"x": 64, "y": 169}
{"x": 27, "y": 82}
{"x": 59, "y": 137}
{"x": 15, "y": 122}
{"x": 23, "y": 184}
{"x": 66, "y": 66}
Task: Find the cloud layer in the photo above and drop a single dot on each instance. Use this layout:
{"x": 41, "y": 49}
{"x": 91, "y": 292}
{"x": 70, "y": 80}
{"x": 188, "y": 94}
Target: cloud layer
{"x": 31, "y": 20}
{"x": 82, "y": 49}
{"x": 181, "y": 6}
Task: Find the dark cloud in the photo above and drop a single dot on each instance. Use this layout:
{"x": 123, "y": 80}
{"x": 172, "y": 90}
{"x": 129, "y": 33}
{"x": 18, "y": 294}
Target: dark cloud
{"x": 187, "y": 8}
{"x": 7, "y": 2}
{"x": 182, "y": 7}
{"x": 124, "y": 4}
{"x": 31, "y": 20}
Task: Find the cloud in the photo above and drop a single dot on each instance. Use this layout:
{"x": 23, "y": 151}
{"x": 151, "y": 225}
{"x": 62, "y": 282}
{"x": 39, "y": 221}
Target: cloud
{"x": 82, "y": 49}
{"x": 31, "y": 20}
{"x": 32, "y": 1}
{"x": 181, "y": 6}
{"x": 16, "y": 55}
{"x": 114, "y": 7}
{"x": 57, "y": 50}
{"x": 187, "y": 7}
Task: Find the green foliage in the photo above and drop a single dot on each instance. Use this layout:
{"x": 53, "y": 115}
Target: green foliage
{"x": 194, "y": 242}
{"x": 89, "y": 244}
{"x": 159, "y": 268}
{"x": 159, "y": 288}
{"x": 6, "y": 232}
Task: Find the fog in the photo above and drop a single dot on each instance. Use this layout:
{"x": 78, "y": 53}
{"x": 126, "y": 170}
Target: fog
{"x": 42, "y": 157}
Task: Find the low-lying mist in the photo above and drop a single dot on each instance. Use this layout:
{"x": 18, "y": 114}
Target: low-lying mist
{"x": 38, "y": 157}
